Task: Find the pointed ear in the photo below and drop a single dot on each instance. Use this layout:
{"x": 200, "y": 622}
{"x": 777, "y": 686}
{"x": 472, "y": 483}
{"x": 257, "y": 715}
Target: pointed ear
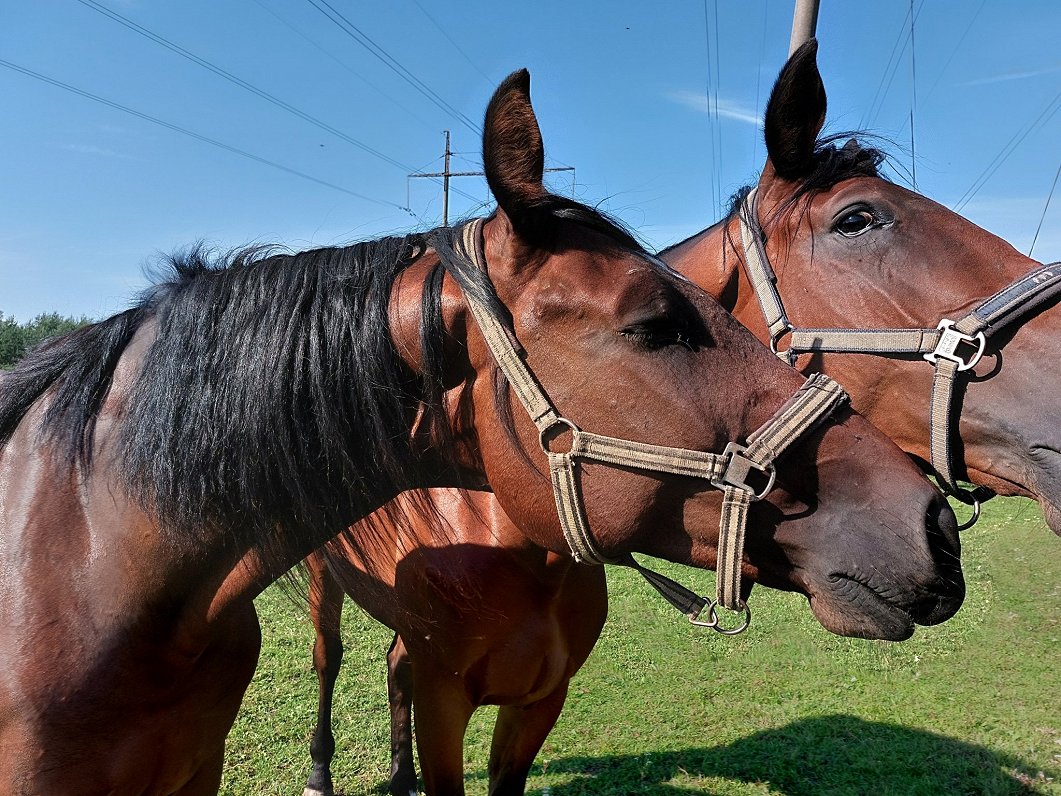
{"x": 513, "y": 155}
{"x": 795, "y": 114}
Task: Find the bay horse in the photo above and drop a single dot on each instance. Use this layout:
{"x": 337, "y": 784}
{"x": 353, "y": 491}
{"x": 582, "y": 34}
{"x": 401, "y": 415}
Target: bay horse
{"x": 844, "y": 237}
{"x": 485, "y": 616}
{"x": 158, "y": 469}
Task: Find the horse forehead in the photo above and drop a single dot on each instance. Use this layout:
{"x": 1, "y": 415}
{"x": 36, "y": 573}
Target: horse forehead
{"x": 611, "y": 282}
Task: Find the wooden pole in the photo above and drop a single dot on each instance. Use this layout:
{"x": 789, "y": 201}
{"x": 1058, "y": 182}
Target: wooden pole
{"x": 445, "y": 186}
{"x": 804, "y": 23}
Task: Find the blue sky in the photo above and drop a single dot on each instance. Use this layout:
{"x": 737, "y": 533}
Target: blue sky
{"x": 90, "y": 194}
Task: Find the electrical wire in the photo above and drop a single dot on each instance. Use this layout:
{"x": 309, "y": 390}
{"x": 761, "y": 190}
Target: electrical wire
{"x": 758, "y": 79}
{"x": 455, "y": 44}
{"x": 217, "y": 70}
{"x": 893, "y": 56}
{"x": 1047, "y": 207}
{"x": 1008, "y": 149}
{"x": 714, "y": 189}
{"x": 355, "y": 33}
{"x": 956, "y": 48}
{"x": 197, "y": 136}
{"x": 176, "y": 48}
{"x": 386, "y": 95}
{"x": 913, "y": 97}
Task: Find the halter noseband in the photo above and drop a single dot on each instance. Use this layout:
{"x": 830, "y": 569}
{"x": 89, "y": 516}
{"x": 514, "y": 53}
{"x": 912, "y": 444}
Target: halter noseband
{"x": 729, "y": 471}
{"x": 953, "y": 347}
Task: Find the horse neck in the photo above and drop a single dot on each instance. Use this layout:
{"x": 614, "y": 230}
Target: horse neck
{"x": 714, "y": 261}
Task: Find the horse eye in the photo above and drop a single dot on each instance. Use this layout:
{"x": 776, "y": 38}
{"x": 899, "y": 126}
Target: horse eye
{"x": 854, "y": 223}
{"x": 656, "y": 334}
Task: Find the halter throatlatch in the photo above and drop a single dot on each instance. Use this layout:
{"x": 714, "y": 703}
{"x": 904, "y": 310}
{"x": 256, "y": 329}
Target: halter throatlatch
{"x": 953, "y": 347}
{"x": 744, "y": 473}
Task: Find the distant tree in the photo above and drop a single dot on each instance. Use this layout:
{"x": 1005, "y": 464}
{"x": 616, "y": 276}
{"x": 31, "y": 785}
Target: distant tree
{"x": 16, "y": 339}
{"x": 50, "y": 324}
{"x": 12, "y": 343}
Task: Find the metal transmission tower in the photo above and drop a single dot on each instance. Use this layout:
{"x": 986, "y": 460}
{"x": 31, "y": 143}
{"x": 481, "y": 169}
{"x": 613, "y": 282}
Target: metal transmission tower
{"x": 445, "y": 174}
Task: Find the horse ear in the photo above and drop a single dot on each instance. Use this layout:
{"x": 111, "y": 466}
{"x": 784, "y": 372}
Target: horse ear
{"x": 795, "y": 114}
{"x": 513, "y": 154}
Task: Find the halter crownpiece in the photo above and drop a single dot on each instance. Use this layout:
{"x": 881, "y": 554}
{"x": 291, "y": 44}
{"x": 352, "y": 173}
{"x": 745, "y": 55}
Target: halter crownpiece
{"x": 953, "y": 347}
{"x": 728, "y": 471}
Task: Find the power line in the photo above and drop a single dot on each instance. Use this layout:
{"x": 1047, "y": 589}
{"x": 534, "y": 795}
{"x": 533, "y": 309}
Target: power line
{"x": 715, "y": 190}
{"x": 718, "y": 118}
{"x": 385, "y": 94}
{"x": 913, "y": 98}
{"x": 956, "y": 48}
{"x": 896, "y": 56}
{"x": 355, "y": 33}
{"x": 176, "y": 48}
{"x": 192, "y": 134}
{"x": 758, "y": 77}
{"x": 1047, "y": 207}
{"x": 217, "y": 70}
{"x": 454, "y": 43}
{"x": 1008, "y": 149}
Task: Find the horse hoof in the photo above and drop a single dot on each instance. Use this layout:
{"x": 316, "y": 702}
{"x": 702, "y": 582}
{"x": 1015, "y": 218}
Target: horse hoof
{"x": 308, "y": 791}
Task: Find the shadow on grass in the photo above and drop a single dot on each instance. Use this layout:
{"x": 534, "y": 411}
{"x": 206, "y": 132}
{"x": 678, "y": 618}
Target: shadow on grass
{"x": 826, "y": 755}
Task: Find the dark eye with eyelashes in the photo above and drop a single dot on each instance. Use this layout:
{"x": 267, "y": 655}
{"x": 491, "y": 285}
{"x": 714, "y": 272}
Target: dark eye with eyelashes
{"x": 653, "y": 334}
{"x": 852, "y": 223}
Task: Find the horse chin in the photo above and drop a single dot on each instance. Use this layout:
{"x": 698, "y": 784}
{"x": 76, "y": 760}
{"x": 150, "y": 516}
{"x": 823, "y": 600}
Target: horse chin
{"x": 1047, "y": 479}
{"x": 850, "y": 607}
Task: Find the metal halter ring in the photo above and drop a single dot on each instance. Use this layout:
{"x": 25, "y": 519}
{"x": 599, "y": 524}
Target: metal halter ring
{"x": 559, "y": 421}
{"x": 969, "y": 523}
{"x": 775, "y": 340}
{"x": 712, "y": 619}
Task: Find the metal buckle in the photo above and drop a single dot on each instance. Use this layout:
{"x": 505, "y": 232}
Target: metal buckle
{"x": 737, "y": 468}
{"x": 947, "y": 347}
{"x": 713, "y": 621}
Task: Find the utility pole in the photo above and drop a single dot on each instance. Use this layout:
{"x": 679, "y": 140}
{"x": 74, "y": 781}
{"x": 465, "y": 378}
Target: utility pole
{"x": 804, "y": 23}
{"x": 445, "y": 174}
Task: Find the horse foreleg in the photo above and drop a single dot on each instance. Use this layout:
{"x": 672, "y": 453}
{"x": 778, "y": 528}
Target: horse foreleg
{"x": 400, "y": 692}
{"x": 442, "y": 712}
{"x": 519, "y": 733}
{"x": 326, "y": 608}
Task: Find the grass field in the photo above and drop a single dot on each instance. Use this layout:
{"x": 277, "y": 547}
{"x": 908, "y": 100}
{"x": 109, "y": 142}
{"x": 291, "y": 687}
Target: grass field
{"x": 969, "y": 707}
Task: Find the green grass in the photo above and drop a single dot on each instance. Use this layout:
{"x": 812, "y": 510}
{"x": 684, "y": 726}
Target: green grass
{"x": 970, "y": 707}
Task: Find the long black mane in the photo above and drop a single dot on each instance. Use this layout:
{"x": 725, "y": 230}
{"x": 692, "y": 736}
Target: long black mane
{"x": 272, "y": 402}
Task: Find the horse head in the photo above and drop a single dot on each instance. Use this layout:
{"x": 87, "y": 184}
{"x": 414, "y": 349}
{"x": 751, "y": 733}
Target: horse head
{"x": 847, "y": 249}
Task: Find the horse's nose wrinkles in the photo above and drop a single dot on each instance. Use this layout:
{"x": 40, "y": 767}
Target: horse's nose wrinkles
{"x": 942, "y": 531}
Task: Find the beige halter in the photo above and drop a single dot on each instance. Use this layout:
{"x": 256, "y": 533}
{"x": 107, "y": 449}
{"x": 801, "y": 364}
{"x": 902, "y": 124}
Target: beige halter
{"x": 728, "y": 471}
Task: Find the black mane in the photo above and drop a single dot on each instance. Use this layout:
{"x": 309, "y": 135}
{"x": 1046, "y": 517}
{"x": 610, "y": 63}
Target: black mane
{"x": 272, "y": 402}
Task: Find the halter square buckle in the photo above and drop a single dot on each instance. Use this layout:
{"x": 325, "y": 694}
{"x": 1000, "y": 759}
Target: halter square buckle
{"x": 947, "y": 347}
{"x": 739, "y": 467}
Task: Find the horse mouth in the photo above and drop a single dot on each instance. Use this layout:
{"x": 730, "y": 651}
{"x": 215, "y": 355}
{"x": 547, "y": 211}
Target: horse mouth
{"x": 853, "y": 606}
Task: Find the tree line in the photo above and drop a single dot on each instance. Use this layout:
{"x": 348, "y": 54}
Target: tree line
{"x": 18, "y": 338}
